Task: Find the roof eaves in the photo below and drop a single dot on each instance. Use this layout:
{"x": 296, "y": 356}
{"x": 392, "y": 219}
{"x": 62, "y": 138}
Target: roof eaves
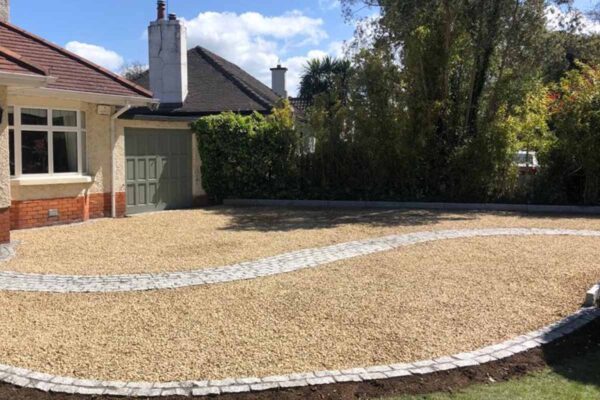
{"x": 140, "y": 90}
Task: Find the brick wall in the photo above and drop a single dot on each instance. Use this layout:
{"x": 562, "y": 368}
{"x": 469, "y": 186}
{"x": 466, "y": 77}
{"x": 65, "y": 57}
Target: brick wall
{"x": 5, "y": 225}
{"x": 35, "y": 213}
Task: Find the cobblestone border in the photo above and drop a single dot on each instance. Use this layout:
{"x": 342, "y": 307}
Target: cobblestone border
{"x": 284, "y": 263}
{"x": 51, "y": 383}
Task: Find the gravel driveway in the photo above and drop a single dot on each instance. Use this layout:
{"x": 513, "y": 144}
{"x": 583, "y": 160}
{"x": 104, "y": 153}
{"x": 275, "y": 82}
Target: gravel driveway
{"x": 195, "y": 239}
{"x": 414, "y": 303}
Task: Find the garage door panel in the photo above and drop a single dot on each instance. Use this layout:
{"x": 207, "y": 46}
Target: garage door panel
{"x": 159, "y": 169}
{"x": 141, "y": 191}
{"x": 153, "y": 193}
{"x": 152, "y": 169}
{"x": 141, "y": 170}
{"x": 131, "y": 197}
{"x": 130, "y": 170}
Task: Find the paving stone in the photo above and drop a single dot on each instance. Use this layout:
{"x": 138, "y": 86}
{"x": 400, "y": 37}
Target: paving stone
{"x": 347, "y": 378}
{"x": 484, "y": 359}
{"x": 259, "y": 387}
{"x": 421, "y": 371}
{"x": 398, "y": 373}
{"x": 235, "y": 389}
{"x": 277, "y": 378}
{"x": 206, "y": 391}
{"x": 320, "y": 381}
{"x": 424, "y": 363}
{"x": 176, "y": 392}
{"x": 402, "y": 366}
{"x": 372, "y": 376}
{"x": 293, "y": 384}
{"x": 444, "y": 366}
{"x": 466, "y": 363}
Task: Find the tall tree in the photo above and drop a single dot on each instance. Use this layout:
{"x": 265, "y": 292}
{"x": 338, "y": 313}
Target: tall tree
{"x": 461, "y": 61}
{"x": 323, "y": 75}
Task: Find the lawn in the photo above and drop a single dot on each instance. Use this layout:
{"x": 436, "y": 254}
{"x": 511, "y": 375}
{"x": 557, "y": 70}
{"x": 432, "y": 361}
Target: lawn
{"x": 575, "y": 379}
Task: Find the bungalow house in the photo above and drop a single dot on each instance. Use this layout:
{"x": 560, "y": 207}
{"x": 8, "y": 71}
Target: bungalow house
{"x": 79, "y": 142}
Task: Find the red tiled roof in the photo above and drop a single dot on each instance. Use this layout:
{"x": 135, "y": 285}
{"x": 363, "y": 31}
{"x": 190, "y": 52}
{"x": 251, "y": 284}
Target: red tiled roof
{"x": 72, "y": 72}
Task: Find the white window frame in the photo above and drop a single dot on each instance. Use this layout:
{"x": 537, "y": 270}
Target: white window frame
{"x": 18, "y": 129}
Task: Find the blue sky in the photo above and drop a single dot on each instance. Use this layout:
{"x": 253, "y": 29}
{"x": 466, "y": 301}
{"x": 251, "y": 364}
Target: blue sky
{"x": 253, "y": 34}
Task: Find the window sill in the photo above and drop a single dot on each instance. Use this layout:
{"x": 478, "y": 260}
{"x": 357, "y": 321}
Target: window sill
{"x": 51, "y": 180}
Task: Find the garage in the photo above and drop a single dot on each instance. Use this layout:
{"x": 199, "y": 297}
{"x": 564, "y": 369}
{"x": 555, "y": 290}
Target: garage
{"x": 158, "y": 169}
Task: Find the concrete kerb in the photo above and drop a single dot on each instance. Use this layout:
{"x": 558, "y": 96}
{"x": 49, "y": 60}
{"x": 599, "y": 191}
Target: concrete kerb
{"x": 525, "y": 208}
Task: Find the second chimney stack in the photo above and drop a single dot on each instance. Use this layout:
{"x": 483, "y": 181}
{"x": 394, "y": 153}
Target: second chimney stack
{"x": 278, "y": 81}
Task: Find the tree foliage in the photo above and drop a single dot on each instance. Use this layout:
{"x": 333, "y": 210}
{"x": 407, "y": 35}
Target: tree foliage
{"x": 322, "y": 75}
{"x": 134, "y": 71}
{"x": 433, "y": 109}
{"x": 574, "y": 158}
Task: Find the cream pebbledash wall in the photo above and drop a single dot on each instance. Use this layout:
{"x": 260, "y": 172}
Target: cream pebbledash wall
{"x": 197, "y": 189}
{"x": 98, "y": 152}
{"x": 4, "y": 154}
{"x": 97, "y": 149}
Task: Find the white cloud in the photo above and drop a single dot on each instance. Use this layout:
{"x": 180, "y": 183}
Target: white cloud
{"x": 329, "y": 4}
{"x": 257, "y": 42}
{"x": 557, "y": 18}
{"x": 97, "y": 54}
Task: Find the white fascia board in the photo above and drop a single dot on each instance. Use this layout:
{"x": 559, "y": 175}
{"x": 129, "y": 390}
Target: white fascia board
{"x": 13, "y": 80}
{"x": 96, "y": 98}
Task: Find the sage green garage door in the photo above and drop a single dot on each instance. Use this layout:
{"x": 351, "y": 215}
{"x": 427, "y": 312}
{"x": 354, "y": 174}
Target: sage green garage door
{"x": 158, "y": 169}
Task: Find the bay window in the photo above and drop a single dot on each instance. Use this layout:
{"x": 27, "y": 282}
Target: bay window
{"x": 46, "y": 142}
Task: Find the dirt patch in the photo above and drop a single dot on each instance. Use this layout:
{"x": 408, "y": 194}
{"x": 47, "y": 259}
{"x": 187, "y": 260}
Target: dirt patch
{"x": 551, "y": 355}
{"x": 415, "y": 303}
{"x": 195, "y": 239}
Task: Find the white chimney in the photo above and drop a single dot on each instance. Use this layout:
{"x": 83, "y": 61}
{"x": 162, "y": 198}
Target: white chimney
{"x": 278, "y": 80}
{"x": 5, "y": 10}
{"x": 168, "y": 58}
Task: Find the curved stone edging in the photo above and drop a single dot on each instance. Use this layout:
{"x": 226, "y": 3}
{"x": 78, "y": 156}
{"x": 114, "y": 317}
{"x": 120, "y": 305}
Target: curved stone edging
{"x": 51, "y": 383}
{"x": 288, "y": 262}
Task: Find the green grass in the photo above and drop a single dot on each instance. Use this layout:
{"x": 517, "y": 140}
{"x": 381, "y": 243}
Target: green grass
{"x": 575, "y": 379}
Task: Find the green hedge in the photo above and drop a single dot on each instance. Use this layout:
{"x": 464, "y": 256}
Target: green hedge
{"x": 247, "y": 156}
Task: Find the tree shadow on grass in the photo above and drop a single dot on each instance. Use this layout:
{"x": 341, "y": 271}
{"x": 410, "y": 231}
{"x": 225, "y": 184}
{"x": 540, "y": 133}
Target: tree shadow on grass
{"x": 578, "y": 357}
{"x": 267, "y": 219}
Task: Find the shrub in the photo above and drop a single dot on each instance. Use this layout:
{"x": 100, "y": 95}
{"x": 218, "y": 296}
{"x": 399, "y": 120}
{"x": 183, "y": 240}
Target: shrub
{"x": 246, "y": 156}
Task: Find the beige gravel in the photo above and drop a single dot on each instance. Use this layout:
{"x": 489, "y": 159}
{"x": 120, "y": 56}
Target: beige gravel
{"x": 413, "y": 303}
{"x": 184, "y": 240}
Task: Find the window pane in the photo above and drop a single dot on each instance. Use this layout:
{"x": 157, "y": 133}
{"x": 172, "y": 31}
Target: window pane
{"x": 65, "y": 151}
{"x": 64, "y": 118}
{"x": 34, "y": 152}
{"x": 83, "y": 121}
{"x": 34, "y": 116}
{"x": 11, "y": 151}
{"x": 11, "y": 116}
